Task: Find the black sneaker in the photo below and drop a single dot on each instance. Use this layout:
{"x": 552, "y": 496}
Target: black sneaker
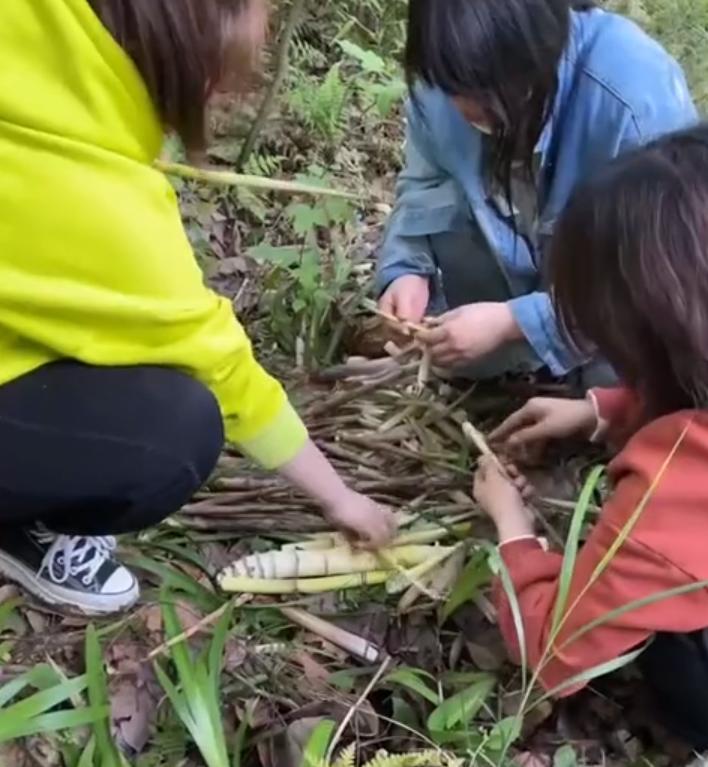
{"x": 80, "y": 572}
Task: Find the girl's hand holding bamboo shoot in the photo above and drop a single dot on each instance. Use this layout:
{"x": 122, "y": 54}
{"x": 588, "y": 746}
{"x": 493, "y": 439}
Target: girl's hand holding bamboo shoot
{"x": 502, "y": 498}
{"x": 407, "y": 298}
{"x": 470, "y": 332}
{"x": 543, "y": 419}
{"x": 357, "y": 516}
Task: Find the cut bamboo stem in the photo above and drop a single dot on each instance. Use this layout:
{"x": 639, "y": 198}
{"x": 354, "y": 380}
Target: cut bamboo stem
{"x": 352, "y": 643}
{"x": 477, "y": 439}
{"x": 228, "y": 178}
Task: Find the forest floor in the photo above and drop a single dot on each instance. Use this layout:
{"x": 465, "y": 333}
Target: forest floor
{"x": 441, "y": 680}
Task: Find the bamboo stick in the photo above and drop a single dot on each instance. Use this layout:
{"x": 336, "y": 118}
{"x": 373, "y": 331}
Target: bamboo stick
{"x": 478, "y": 440}
{"x": 228, "y": 178}
{"x": 352, "y": 643}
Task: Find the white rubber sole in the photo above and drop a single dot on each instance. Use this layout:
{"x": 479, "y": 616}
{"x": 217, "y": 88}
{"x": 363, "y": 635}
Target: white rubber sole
{"x": 53, "y": 594}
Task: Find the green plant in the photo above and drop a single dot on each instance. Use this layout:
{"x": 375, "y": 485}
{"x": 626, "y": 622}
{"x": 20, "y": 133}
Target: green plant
{"x": 379, "y": 82}
{"x": 682, "y": 26}
{"x": 361, "y": 84}
{"x": 103, "y": 752}
{"x": 196, "y": 695}
{"x": 320, "y": 103}
{"x": 55, "y": 705}
{"x": 306, "y": 279}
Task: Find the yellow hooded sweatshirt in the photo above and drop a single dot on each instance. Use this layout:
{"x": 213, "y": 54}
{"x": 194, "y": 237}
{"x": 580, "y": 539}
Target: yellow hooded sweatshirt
{"x": 95, "y": 265}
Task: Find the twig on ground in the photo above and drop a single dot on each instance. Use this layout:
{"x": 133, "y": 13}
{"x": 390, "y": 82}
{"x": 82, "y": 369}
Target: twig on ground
{"x": 355, "y": 708}
{"x": 204, "y": 623}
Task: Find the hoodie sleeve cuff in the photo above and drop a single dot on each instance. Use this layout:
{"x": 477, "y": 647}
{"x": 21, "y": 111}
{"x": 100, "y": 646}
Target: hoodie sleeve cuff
{"x": 279, "y": 442}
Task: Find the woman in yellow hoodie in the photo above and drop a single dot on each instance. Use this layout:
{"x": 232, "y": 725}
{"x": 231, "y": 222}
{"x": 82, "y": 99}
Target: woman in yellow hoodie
{"x": 120, "y": 372}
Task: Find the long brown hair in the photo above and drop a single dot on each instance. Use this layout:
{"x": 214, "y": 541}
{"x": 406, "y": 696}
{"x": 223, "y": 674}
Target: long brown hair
{"x": 629, "y": 270}
{"x": 184, "y": 49}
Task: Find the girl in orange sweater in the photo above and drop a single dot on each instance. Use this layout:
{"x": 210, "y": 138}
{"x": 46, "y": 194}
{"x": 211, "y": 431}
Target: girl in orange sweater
{"x": 636, "y": 290}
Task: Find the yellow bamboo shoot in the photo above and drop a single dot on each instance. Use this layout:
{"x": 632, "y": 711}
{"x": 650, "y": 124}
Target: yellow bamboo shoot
{"x": 275, "y": 586}
{"x": 293, "y": 563}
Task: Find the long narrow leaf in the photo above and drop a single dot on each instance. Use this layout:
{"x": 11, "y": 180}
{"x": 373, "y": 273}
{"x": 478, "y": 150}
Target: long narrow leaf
{"x": 176, "y": 580}
{"x": 60, "y": 720}
{"x": 318, "y": 745}
{"x": 462, "y": 707}
{"x": 626, "y": 531}
{"x": 98, "y": 698}
{"x": 498, "y": 564}
{"x": 595, "y": 672}
{"x": 572, "y": 544}
{"x": 618, "y": 612}
{"x": 43, "y": 701}
{"x": 411, "y": 679}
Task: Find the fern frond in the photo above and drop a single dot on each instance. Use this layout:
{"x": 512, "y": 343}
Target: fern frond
{"x": 347, "y": 758}
{"x": 421, "y": 759}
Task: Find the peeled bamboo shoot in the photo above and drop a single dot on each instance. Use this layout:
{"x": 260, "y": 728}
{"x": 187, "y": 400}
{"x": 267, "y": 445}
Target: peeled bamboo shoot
{"x": 275, "y": 586}
{"x": 294, "y": 563}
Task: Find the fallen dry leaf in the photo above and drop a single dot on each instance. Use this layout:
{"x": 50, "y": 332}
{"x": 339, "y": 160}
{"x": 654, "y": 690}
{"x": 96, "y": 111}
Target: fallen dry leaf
{"x": 314, "y": 671}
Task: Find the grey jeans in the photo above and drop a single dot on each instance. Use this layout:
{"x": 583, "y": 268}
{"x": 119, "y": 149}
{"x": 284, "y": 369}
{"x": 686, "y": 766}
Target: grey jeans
{"x": 470, "y": 272}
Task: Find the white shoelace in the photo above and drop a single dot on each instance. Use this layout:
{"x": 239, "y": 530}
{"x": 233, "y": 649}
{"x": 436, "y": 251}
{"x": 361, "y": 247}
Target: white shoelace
{"x": 72, "y": 556}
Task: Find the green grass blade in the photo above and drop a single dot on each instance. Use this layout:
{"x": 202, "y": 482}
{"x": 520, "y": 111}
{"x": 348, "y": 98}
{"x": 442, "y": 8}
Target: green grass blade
{"x": 462, "y": 707}
{"x": 13, "y": 688}
{"x": 43, "y": 701}
{"x": 59, "y": 720}
{"x": 637, "y": 513}
{"x": 179, "y": 652}
{"x": 240, "y": 742}
{"x": 410, "y": 678}
{"x": 618, "y": 612}
{"x": 318, "y": 745}
{"x": 475, "y": 575}
{"x": 175, "y": 580}
{"x": 216, "y": 650}
{"x": 98, "y": 698}
{"x": 498, "y": 564}
{"x": 7, "y": 608}
{"x": 572, "y": 545}
{"x": 592, "y": 673}
{"x": 87, "y": 757}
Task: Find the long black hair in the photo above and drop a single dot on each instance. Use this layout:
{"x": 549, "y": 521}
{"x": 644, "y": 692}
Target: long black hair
{"x": 504, "y": 55}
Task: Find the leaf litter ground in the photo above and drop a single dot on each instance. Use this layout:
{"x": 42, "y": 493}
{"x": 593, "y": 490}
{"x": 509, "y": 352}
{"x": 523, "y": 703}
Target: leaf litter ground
{"x": 404, "y": 446}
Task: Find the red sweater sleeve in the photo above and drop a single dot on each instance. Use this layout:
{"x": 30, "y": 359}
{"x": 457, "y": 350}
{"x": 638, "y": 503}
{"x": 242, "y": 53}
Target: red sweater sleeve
{"x": 619, "y": 413}
{"x": 637, "y": 570}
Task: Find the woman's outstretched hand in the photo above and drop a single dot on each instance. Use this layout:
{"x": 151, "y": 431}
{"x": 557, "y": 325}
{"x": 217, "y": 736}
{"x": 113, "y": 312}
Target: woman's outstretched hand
{"x": 362, "y": 520}
{"x": 544, "y": 419}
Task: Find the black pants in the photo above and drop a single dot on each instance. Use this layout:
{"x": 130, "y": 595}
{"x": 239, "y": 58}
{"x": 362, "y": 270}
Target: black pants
{"x": 676, "y": 668}
{"x": 103, "y": 451}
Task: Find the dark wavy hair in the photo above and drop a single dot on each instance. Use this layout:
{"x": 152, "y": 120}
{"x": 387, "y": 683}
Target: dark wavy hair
{"x": 183, "y": 49}
{"x": 503, "y": 54}
{"x": 629, "y": 269}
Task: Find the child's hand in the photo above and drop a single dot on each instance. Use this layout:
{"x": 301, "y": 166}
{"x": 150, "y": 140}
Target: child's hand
{"x": 361, "y": 519}
{"x": 502, "y": 498}
{"x": 543, "y": 419}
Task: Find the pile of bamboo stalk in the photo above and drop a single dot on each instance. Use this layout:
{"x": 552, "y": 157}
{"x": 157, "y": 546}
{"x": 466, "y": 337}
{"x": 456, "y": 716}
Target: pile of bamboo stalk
{"x": 390, "y": 438}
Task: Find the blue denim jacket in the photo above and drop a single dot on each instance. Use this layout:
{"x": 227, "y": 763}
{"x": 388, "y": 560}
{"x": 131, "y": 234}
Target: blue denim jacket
{"x": 618, "y": 88}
